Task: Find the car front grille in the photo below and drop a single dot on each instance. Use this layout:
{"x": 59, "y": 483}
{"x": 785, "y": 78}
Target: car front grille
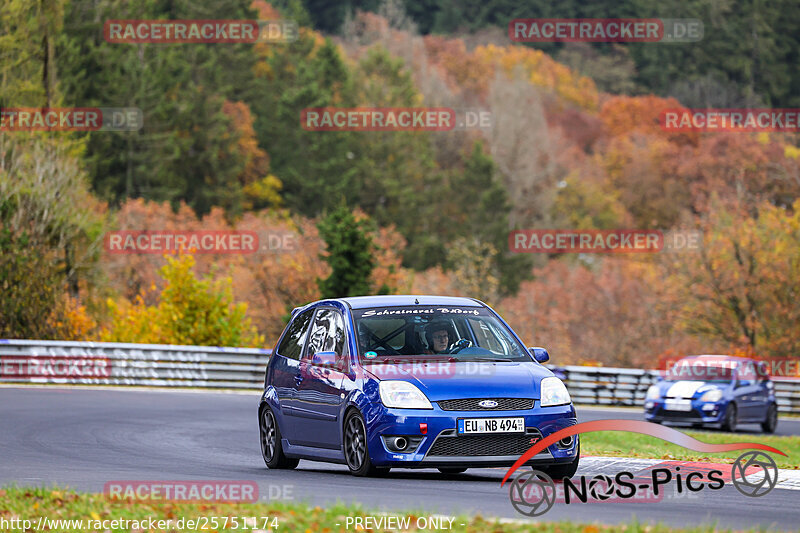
{"x": 483, "y": 445}
{"x": 683, "y": 415}
{"x": 471, "y": 404}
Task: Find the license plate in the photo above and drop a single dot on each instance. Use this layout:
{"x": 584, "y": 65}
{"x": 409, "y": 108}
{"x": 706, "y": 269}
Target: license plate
{"x": 678, "y": 405}
{"x": 491, "y": 425}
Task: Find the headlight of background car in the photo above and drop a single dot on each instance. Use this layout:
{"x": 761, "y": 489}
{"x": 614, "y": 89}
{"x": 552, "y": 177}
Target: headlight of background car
{"x": 714, "y": 395}
{"x": 402, "y": 394}
{"x": 554, "y": 392}
{"x": 652, "y": 392}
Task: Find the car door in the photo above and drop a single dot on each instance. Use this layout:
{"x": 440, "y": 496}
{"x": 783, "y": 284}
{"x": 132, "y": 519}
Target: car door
{"x": 746, "y": 397}
{"x": 761, "y": 399}
{"x": 286, "y": 375}
{"x": 319, "y": 395}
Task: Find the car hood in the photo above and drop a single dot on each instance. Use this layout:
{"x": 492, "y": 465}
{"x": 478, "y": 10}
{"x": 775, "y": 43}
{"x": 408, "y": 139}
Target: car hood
{"x": 687, "y": 388}
{"x": 450, "y": 381}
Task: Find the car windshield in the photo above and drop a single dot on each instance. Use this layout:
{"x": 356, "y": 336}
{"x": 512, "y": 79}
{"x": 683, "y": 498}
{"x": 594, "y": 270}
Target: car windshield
{"x": 434, "y": 333}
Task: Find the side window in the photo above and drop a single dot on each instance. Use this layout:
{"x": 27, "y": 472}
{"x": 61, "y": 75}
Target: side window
{"x": 336, "y": 334}
{"x": 319, "y": 330}
{"x": 741, "y": 371}
{"x": 292, "y": 344}
{"x": 327, "y": 334}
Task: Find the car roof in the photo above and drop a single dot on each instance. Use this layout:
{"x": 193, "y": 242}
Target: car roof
{"x": 361, "y": 302}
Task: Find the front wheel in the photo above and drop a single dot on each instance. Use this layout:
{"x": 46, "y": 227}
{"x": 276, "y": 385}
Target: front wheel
{"x": 771, "y": 422}
{"x": 271, "y": 448}
{"x": 356, "y": 452}
{"x": 731, "y": 418}
{"x": 559, "y": 472}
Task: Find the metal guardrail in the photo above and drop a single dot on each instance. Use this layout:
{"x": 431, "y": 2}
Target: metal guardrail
{"x": 161, "y": 365}
{"x": 156, "y": 365}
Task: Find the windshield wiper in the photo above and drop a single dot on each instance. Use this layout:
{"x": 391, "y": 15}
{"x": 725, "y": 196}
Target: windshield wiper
{"x": 490, "y": 360}
{"x": 394, "y": 360}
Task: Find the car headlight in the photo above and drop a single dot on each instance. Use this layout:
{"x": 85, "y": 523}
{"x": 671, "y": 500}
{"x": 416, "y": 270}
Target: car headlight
{"x": 403, "y": 394}
{"x": 652, "y": 392}
{"x": 554, "y": 392}
{"x": 714, "y": 395}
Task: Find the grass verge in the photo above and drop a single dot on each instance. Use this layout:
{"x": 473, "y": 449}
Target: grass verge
{"x": 62, "y": 504}
{"x": 625, "y": 444}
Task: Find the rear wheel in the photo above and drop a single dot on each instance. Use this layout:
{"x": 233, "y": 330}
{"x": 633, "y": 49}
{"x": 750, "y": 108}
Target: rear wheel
{"x": 452, "y": 470}
{"x": 771, "y": 422}
{"x": 356, "y": 452}
{"x": 271, "y": 448}
{"x": 731, "y": 418}
{"x": 559, "y": 472}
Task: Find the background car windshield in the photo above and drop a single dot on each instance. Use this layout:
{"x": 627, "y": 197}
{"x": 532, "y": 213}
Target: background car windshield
{"x": 425, "y": 332}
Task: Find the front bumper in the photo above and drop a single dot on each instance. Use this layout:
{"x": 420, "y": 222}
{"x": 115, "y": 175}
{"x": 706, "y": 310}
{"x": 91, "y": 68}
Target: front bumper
{"x": 700, "y": 413}
{"x": 442, "y": 446}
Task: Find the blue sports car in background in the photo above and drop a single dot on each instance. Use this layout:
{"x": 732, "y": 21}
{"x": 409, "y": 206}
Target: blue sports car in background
{"x": 714, "y": 389}
{"x": 378, "y": 382}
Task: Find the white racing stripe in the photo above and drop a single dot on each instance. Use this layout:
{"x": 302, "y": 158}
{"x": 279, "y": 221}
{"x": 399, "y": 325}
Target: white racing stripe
{"x": 684, "y": 389}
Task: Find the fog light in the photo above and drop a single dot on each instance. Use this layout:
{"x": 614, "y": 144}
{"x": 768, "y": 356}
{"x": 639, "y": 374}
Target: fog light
{"x": 709, "y": 407}
{"x": 401, "y": 443}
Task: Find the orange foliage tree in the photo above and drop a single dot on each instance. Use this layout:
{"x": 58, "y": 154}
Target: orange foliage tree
{"x": 617, "y": 312}
{"x": 742, "y": 287}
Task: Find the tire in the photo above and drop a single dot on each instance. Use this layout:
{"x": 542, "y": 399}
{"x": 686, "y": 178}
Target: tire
{"x": 271, "y": 448}
{"x": 559, "y": 472}
{"x": 356, "y": 451}
{"x": 771, "y": 422}
{"x": 731, "y": 418}
{"x": 452, "y": 470}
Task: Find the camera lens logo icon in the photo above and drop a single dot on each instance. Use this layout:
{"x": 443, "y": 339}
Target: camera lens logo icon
{"x": 758, "y": 483}
{"x": 532, "y": 493}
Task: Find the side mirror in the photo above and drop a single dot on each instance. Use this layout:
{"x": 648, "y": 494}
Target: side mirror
{"x": 327, "y": 359}
{"x": 540, "y": 354}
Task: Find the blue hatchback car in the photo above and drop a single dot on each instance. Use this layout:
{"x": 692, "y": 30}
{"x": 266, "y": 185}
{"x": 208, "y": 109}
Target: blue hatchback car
{"x": 380, "y": 382}
{"x": 714, "y": 389}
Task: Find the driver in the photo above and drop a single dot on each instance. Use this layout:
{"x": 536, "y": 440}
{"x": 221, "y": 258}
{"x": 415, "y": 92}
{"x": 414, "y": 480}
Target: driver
{"x": 438, "y": 335}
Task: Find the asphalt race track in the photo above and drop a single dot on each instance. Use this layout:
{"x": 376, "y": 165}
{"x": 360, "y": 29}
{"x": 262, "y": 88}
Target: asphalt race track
{"x": 84, "y": 438}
